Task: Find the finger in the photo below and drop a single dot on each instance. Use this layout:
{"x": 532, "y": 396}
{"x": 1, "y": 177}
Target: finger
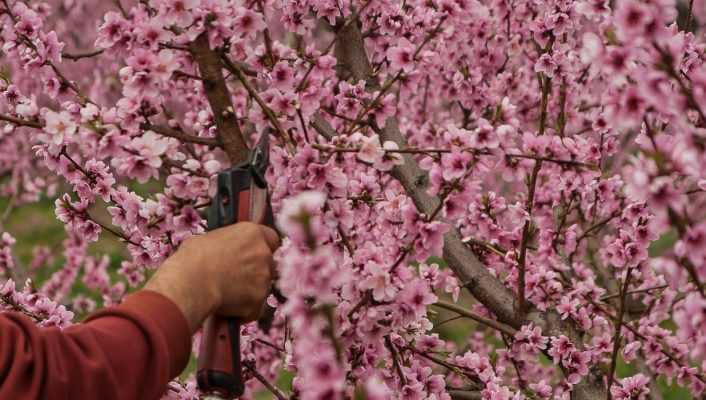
{"x": 273, "y": 271}
{"x": 271, "y": 237}
{"x": 256, "y": 314}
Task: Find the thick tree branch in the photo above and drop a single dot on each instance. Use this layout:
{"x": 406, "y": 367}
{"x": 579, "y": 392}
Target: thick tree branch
{"x": 218, "y": 95}
{"x": 322, "y": 126}
{"x": 486, "y": 288}
{"x": 352, "y": 57}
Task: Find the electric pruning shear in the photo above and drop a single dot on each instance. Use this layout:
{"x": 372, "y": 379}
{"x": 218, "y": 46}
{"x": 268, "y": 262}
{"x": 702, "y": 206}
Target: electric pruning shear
{"x": 241, "y": 196}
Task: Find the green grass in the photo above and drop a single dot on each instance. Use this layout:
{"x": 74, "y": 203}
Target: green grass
{"x": 36, "y": 224}
{"x": 663, "y": 244}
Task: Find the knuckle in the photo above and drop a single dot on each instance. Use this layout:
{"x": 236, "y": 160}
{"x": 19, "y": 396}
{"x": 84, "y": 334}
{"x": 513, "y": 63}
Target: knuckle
{"x": 247, "y": 227}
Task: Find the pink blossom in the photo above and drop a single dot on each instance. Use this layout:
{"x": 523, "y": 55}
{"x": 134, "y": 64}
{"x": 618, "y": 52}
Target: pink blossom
{"x": 379, "y": 282}
{"x": 455, "y": 165}
{"x": 282, "y": 76}
{"x": 542, "y": 389}
{"x": 390, "y": 158}
{"x": 297, "y": 217}
{"x": 144, "y": 164}
{"x": 60, "y": 127}
{"x": 546, "y": 65}
{"x": 248, "y": 22}
{"x": 485, "y": 136}
{"x": 566, "y": 137}
{"x": 112, "y": 30}
{"x": 630, "y": 350}
{"x": 370, "y": 150}
{"x": 634, "y": 387}
{"x": 178, "y": 11}
{"x": 401, "y": 56}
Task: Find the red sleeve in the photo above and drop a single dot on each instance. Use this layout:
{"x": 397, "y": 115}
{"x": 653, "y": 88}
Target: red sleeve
{"x": 128, "y": 352}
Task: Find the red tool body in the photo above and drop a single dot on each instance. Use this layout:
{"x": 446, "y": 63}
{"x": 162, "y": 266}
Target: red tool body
{"x": 241, "y": 196}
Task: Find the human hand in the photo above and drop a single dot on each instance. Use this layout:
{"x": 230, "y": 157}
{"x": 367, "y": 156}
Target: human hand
{"x": 227, "y": 271}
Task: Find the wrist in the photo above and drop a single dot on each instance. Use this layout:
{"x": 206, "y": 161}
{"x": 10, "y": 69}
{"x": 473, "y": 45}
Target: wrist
{"x": 193, "y": 294}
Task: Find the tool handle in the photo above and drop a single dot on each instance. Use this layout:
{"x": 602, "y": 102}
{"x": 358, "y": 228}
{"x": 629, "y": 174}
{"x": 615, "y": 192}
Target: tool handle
{"x": 219, "y": 365}
{"x": 220, "y": 370}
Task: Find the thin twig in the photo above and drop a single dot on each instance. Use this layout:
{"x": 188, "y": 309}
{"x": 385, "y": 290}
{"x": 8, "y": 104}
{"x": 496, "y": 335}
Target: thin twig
{"x": 618, "y": 330}
{"x": 396, "y": 360}
{"x": 640, "y": 336}
{"x": 532, "y": 185}
{"x": 493, "y": 248}
{"x": 636, "y": 291}
{"x": 21, "y": 122}
{"x": 475, "y": 151}
{"x": 235, "y": 70}
{"x": 504, "y": 328}
{"x": 79, "y": 56}
{"x": 121, "y": 8}
{"x": 275, "y": 391}
{"x": 116, "y": 233}
{"x": 165, "y": 130}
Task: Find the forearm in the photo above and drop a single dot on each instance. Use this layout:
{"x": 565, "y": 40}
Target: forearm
{"x": 125, "y": 352}
{"x": 180, "y": 280}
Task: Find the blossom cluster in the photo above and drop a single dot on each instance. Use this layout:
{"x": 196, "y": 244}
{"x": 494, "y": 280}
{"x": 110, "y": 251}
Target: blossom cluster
{"x": 533, "y": 171}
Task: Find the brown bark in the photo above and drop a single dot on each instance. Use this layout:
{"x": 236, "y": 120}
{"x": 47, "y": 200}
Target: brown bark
{"x": 218, "y": 95}
{"x": 486, "y": 288}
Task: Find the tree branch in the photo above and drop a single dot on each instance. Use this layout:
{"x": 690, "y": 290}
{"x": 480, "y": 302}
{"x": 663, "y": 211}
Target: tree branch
{"x": 485, "y": 287}
{"x": 499, "y": 326}
{"x": 531, "y": 188}
{"x": 165, "y": 130}
{"x": 352, "y": 57}
{"x": 235, "y": 70}
{"x": 322, "y": 126}
{"x": 21, "y": 122}
{"x": 436, "y": 151}
{"x": 488, "y": 289}
{"x": 465, "y": 394}
{"x": 78, "y": 56}
{"x": 218, "y": 96}
{"x": 395, "y": 360}
{"x": 274, "y": 390}
{"x": 618, "y": 330}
